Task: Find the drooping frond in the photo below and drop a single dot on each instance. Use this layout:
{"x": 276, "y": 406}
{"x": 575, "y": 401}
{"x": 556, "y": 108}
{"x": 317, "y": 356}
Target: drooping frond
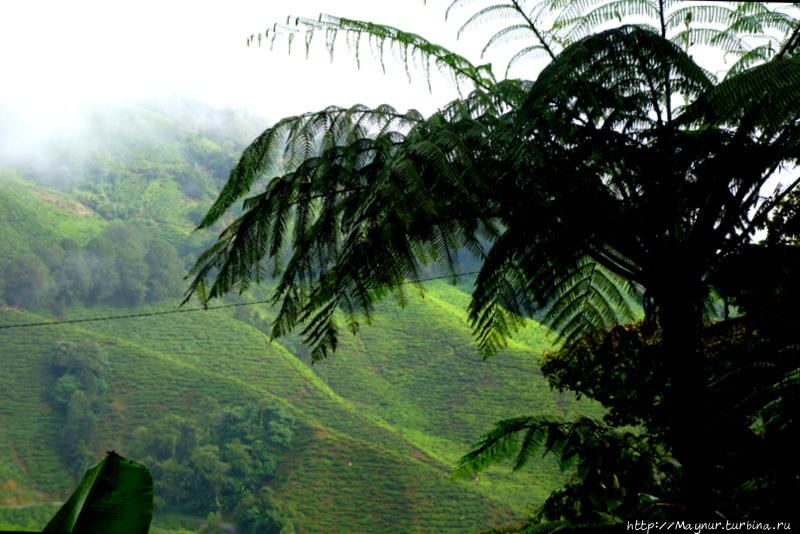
{"x": 293, "y": 140}
{"x": 575, "y": 25}
{"x": 587, "y": 298}
{"x": 762, "y": 101}
{"x": 524, "y": 275}
{"x": 500, "y": 300}
{"x": 692, "y": 15}
{"x": 619, "y": 77}
{"x": 752, "y": 57}
{"x": 764, "y": 17}
{"x": 571, "y": 10}
{"x": 523, "y": 21}
{"x": 522, "y": 437}
{"x": 491, "y": 12}
{"x": 527, "y": 53}
{"x": 358, "y": 217}
{"x": 413, "y": 50}
{"x": 508, "y": 34}
{"x": 781, "y": 401}
{"x": 727, "y": 41}
{"x": 751, "y": 32}
{"x": 504, "y": 96}
{"x": 719, "y": 25}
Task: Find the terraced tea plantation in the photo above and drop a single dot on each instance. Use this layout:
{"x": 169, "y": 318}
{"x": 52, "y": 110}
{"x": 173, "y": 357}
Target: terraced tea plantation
{"x": 364, "y": 441}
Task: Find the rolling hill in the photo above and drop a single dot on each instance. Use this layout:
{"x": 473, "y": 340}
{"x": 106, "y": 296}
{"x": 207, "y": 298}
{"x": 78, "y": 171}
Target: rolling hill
{"x": 377, "y": 427}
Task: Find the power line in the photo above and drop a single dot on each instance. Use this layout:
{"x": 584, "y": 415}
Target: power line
{"x": 130, "y": 315}
{"x": 185, "y": 310}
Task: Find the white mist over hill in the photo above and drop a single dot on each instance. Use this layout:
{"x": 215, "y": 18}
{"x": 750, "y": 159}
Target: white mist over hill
{"x": 64, "y": 62}
{"x": 61, "y": 57}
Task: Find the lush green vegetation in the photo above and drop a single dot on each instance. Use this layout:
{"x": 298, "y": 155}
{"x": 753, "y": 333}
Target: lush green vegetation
{"x": 228, "y": 421}
{"x": 578, "y": 195}
{"x": 581, "y": 188}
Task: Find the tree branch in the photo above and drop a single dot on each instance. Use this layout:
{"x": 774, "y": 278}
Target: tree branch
{"x": 533, "y": 27}
{"x": 785, "y": 48}
{"x": 764, "y": 210}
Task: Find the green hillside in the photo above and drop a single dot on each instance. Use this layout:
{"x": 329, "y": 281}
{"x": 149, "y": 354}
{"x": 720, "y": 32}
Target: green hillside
{"x": 35, "y": 218}
{"x": 370, "y": 435}
{"x": 146, "y": 384}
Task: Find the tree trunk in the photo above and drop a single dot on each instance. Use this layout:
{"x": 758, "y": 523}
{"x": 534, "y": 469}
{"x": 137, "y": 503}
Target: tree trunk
{"x": 681, "y": 318}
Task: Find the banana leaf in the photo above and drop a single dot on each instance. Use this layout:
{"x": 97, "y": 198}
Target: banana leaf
{"x": 114, "y": 497}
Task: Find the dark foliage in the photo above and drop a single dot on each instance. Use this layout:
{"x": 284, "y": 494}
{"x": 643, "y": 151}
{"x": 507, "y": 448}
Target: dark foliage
{"x": 78, "y": 377}
{"x": 223, "y": 464}
{"x": 581, "y": 191}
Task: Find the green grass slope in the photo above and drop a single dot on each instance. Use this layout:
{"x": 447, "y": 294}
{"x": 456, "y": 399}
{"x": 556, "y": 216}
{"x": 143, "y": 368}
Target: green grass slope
{"x": 417, "y": 368}
{"x": 34, "y": 218}
{"x": 380, "y": 484}
{"x": 380, "y": 424}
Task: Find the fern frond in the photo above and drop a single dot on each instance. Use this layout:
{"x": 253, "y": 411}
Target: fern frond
{"x": 617, "y": 10}
{"x": 728, "y": 42}
{"x": 759, "y": 15}
{"x": 522, "y": 437}
{"x": 700, "y": 14}
{"x": 412, "y": 49}
{"x": 509, "y": 33}
{"x": 760, "y": 101}
{"x": 502, "y": 97}
{"x": 455, "y": 4}
{"x": 360, "y": 213}
{"x": 782, "y": 400}
{"x": 759, "y": 54}
{"x": 495, "y": 11}
{"x": 525, "y": 53}
{"x": 294, "y": 140}
{"x": 587, "y": 298}
{"x": 499, "y": 301}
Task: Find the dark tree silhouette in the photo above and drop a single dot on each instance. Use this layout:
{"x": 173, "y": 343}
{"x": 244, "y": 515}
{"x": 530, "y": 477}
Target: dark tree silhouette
{"x": 581, "y": 191}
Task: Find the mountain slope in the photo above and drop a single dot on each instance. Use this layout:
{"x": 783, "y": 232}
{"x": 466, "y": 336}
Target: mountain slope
{"x": 145, "y": 384}
{"x": 379, "y": 425}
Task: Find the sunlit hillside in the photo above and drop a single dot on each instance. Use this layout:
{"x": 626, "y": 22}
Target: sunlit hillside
{"x": 228, "y": 420}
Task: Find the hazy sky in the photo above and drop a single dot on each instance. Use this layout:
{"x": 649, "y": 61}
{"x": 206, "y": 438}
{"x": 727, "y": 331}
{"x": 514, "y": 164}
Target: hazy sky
{"x": 58, "y": 56}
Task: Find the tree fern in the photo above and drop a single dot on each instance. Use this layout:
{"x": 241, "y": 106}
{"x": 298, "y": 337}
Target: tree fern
{"x": 342, "y": 163}
{"x": 580, "y": 191}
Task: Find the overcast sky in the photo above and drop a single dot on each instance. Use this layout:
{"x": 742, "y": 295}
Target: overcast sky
{"x": 60, "y": 56}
